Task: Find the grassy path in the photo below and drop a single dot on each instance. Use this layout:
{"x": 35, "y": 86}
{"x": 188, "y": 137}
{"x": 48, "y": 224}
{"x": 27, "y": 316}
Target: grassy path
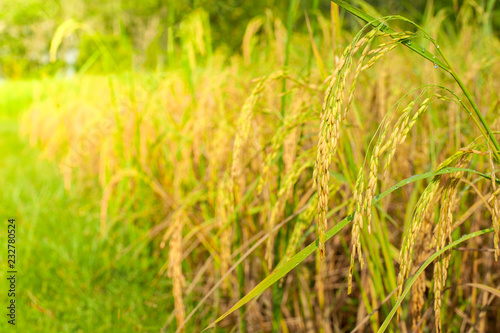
{"x": 58, "y": 249}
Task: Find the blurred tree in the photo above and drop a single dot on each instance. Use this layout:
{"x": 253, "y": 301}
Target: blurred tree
{"x": 144, "y": 34}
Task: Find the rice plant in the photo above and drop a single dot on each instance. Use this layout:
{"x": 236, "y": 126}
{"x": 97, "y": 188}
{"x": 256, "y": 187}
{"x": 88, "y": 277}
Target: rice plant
{"x": 390, "y": 136}
{"x": 354, "y": 190}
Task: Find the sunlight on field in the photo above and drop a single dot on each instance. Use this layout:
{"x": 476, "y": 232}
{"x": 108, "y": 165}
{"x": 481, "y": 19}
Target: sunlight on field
{"x": 175, "y": 181}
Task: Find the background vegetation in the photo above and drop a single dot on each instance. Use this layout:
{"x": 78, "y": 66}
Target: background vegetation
{"x": 148, "y": 146}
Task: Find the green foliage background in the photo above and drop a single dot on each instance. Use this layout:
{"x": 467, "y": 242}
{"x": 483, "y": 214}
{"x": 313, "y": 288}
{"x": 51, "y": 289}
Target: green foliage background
{"x": 140, "y": 34}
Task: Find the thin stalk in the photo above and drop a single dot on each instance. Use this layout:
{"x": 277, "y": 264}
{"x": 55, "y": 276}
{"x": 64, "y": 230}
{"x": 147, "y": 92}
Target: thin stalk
{"x": 241, "y": 279}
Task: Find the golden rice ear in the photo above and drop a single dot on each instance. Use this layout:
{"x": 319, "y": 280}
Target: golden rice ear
{"x": 223, "y": 211}
{"x": 285, "y": 139}
{"x": 376, "y": 54}
{"x": 193, "y": 32}
{"x": 108, "y": 191}
{"x": 249, "y": 38}
{"x": 287, "y": 131}
{"x": 278, "y": 210}
{"x": 327, "y": 144}
{"x": 398, "y": 135}
{"x": 494, "y": 201}
{"x": 242, "y": 133}
{"x": 421, "y": 210}
{"x": 357, "y": 226}
{"x": 328, "y": 137}
{"x": 422, "y": 252}
{"x": 175, "y": 267}
{"x": 333, "y": 114}
{"x": 365, "y": 200}
{"x": 117, "y": 178}
{"x": 496, "y": 222}
{"x": 443, "y": 233}
{"x": 64, "y": 30}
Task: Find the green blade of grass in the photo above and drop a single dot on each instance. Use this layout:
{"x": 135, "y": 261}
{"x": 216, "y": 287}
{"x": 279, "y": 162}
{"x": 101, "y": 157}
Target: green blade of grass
{"x": 284, "y": 269}
{"x": 410, "y": 282}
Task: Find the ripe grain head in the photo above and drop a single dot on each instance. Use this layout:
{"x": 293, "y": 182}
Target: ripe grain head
{"x": 175, "y": 267}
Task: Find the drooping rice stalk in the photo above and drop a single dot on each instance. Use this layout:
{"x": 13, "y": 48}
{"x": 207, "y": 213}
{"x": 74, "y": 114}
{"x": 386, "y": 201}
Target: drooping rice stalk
{"x": 243, "y": 128}
{"x": 175, "y": 267}
{"x": 494, "y": 201}
{"x": 442, "y": 234}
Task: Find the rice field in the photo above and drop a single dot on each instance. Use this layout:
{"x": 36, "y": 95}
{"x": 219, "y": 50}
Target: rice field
{"x": 331, "y": 174}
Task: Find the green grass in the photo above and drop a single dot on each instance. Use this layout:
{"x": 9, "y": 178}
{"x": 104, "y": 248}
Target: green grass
{"x": 68, "y": 278}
